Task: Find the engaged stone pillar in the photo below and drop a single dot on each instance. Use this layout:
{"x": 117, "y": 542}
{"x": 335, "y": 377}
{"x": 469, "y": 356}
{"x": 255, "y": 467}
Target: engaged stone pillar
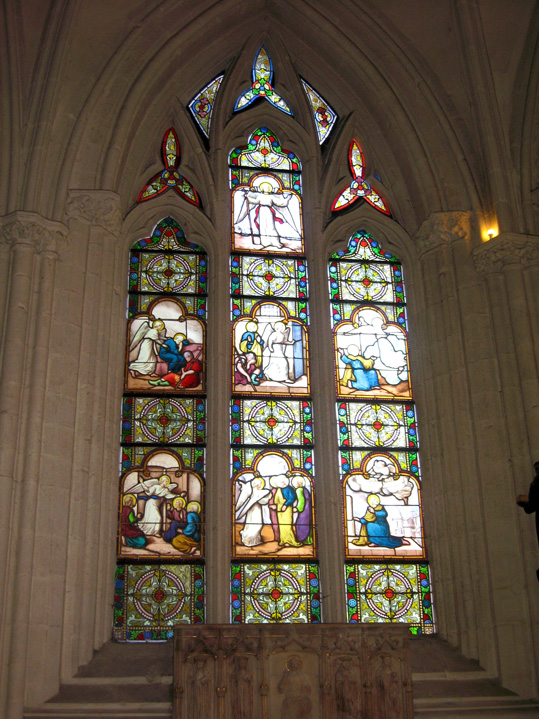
{"x": 510, "y": 264}
{"x": 468, "y": 458}
{"x": 35, "y": 246}
{"x": 455, "y": 361}
{"x": 94, "y": 221}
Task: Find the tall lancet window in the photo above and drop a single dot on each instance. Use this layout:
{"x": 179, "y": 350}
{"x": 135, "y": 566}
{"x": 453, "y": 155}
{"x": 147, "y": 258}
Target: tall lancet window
{"x": 387, "y": 577}
{"x": 160, "y": 546}
{"x": 274, "y": 570}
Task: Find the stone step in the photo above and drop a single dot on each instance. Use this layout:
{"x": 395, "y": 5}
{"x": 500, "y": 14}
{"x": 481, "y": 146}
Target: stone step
{"x": 110, "y": 689}
{"x": 475, "y": 708}
{"x": 105, "y": 710}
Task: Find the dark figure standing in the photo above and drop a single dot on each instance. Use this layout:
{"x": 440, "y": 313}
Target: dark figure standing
{"x": 530, "y": 502}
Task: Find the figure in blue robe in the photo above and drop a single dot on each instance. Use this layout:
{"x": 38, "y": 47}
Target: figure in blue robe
{"x": 375, "y": 527}
{"x": 171, "y": 352}
{"x": 359, "y": 373}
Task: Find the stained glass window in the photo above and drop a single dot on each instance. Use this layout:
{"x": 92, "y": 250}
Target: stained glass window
{"x": 201, "y": 105}
{"x": 359, "y": 187}
{"x": 390, "y": 593}
{"x": 271, "y": 425}
{"x": 163, "y": 436}
{"x": 379, "y": 448}
{"x": 324, "y": 116}
{"x": 275, "y": 593}
{"x": 150, "y": 599}
{"x": 262, "y": 87}
{"x": 169, "y": 178}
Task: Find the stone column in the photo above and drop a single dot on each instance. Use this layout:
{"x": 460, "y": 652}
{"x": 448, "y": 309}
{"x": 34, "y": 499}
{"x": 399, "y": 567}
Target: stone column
{"x": 94, "y": 221}
{"x": 327, "y": 483}
{"x": 510, "y": 265}
{"x": 35, "y": 246}
{"x": 467, "y": 459}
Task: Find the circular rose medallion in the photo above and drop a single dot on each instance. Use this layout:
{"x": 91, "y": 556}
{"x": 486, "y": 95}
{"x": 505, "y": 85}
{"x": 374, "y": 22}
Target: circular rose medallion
{"x": 159, "y": 595}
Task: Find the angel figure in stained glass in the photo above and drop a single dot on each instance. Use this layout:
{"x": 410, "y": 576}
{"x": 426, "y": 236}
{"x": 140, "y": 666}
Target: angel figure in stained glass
{"x": 276, "y": 365}
{"x": 254, "y": 498}
{"x": 146, "y": 344}
{"x": 154, "y": 492}
{"x": 267, "y": 214}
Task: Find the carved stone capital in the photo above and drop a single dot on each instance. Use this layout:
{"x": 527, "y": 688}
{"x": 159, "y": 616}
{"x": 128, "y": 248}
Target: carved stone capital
{"x": 97, "y": 207}
{"x": 19, "y": 229}
{"x": 506, "y": 249}
{"x": 443, "y": 228}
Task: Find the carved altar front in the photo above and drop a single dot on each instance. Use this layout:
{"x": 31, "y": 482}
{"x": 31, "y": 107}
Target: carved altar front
{"x": 292, "y": 671}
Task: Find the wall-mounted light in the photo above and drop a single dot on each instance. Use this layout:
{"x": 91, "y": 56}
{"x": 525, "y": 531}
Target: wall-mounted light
{"x": 491, "y": 233}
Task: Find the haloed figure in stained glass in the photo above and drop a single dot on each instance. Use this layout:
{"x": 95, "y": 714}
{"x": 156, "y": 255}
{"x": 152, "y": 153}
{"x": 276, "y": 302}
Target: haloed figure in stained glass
{"x": 165, "y": 349}
{"x": 382, "y": 509}
{"x": 266, "y": 217}
{"x": 270, "y": 352}
{"x": 273, "y": 509}
{"x": 372, "y": 355}
{"x": 161, "y": 508}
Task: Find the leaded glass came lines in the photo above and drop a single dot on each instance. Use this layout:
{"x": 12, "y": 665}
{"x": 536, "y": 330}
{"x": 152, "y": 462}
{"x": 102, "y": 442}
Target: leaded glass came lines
{"x": 378, "y": 439}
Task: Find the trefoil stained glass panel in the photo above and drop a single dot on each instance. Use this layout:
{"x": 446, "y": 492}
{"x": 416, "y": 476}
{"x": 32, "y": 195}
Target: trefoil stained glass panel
{"x": 262, "y": 85}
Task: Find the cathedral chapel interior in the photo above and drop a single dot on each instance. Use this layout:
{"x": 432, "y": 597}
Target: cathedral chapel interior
{"x": 162, "y": 162}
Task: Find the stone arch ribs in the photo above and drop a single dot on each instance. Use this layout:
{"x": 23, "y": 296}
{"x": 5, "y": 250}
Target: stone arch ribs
{"x": 163, "y": 58}
{"x": 524, "y": 133}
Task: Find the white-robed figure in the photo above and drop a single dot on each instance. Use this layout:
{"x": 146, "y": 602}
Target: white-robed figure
{"x": 155, "y": 491}
{"x": 264, "y": 213}
{"x": 148, "y": 339}
{"x": 383, "y": 343}
{"x": 276, "y": 366}
{"x": 249, "y": 508}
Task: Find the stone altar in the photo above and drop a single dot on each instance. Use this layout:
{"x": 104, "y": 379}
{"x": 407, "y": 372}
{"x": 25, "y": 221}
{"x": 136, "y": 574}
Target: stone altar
{"x": 292, "y": 671}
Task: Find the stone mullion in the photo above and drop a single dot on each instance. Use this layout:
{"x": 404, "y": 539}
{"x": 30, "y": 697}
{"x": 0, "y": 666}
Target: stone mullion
{"x": 448, "y": 567}
{"x": 328, "y": 493}
{"x": 217, "y": 530}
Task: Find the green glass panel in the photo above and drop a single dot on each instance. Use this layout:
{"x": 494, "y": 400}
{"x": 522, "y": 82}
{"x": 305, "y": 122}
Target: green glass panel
{"x": 369, "y": 424}
{"x": 150, "y": 600}
{"x": 275, "y": 593}
{"x": 397, "y": 593}
{"x": 273, "y": 422}
{"x": 163, "y": 420}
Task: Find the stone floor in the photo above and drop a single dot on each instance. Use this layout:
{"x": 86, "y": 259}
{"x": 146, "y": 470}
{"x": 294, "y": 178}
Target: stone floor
{"x": 134, "y": 681}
